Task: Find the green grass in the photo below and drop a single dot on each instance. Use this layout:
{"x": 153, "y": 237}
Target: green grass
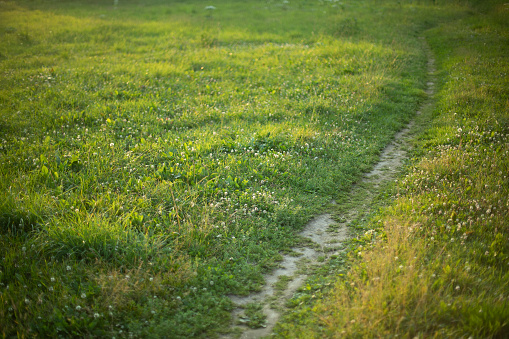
{"x": 435, "y": 261}
{"x": 157, "y": 156}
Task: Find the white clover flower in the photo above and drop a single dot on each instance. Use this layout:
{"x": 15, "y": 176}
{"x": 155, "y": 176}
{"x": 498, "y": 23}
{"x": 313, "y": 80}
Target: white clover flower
{"x": 83, "y": 295}
{"x": 96, "y": 315}
{"x": 78, "y": 308}
{"x": 68, "y": 268}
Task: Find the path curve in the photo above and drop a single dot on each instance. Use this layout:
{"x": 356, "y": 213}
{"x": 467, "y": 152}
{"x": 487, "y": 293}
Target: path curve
{"x": 326, "y": 241}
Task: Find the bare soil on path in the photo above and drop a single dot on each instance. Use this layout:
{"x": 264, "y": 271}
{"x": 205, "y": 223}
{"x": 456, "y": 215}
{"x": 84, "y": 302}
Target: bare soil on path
{"x": 326, "y": 234}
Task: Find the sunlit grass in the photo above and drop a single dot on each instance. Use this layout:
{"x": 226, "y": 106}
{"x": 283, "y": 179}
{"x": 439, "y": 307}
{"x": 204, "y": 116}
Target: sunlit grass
{"x": 434, "y": 263}
{"x": 188, "y": 146}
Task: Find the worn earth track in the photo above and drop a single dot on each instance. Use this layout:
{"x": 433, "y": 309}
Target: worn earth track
{"x": 325, "y": 240}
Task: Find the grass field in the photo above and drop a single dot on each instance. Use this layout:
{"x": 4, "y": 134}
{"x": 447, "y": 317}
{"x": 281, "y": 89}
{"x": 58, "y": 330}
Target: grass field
{"x": 435, "y": 262}
{"x": 157, "y": 156}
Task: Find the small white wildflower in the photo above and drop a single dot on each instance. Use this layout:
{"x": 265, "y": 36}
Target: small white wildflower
{"x": 68, "y": 268}
{"x": 112, "y": 144}
{"x": 52, "y": 279}
{"x": 78, "y": 308}
{"x": 83, "y": 295}
{"x": 96, "y": 315}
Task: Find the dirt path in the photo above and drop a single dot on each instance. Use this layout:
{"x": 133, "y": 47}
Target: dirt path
{"x": 326, "y": 234}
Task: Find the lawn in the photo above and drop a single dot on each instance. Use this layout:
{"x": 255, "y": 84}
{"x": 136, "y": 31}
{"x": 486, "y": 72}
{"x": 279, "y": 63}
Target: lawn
{"x": 158, "y": 156}
{"x": 433, "y": 262}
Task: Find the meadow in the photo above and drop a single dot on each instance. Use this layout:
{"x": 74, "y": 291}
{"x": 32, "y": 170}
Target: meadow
{"x": 433, "y": 262}
{"x": 158, "y": 156}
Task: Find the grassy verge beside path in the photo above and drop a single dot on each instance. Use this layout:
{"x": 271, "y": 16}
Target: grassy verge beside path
{"x": 440, "y": 265}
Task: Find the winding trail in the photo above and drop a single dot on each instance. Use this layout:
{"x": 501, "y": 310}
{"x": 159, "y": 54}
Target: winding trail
{"x": 325, "y": 240}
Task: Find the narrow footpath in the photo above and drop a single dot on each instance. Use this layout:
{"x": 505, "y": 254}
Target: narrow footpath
{"x": 326, "y": 241}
